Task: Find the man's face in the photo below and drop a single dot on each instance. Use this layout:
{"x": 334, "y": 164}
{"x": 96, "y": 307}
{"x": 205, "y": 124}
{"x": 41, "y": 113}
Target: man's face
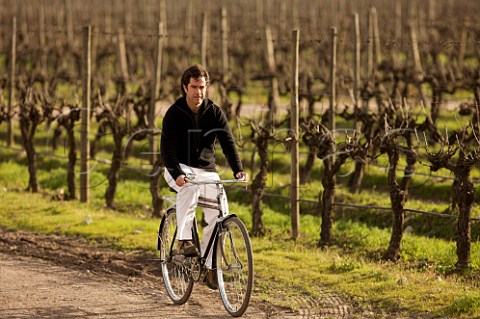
{"x": 195, "y": 92}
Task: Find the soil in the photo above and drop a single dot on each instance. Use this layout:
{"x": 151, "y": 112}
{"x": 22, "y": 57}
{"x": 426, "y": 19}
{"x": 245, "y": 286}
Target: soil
{"x": 49, "y": 276}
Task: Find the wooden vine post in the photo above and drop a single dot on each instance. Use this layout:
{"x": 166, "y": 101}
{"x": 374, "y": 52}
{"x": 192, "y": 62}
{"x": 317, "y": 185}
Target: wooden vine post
{"x": 357, "y": 63}
{"x": 11, "y": 86}
{"x": 122, "y": 57}
{"x": 69, "y": 21}
{"x": 224, "y": 31}
{"x": 225, "y": 76}
{"x": 398, "y": 20}
{"x": 370, "y": 47}
{"x": 107, "y": 17}
{"x": 274, "y": 95}
{"x": 124, "y": 76}
{"x": 162, "y": 6}
{"x": 42, "y": 42}
{"x": 155, "y": 160}
{"x": 85, "y": 124}
{"x": 333, "y": 79}
{"x": 294, "y": 170}
{"x": 203, "y": 45}
{"x": 376, "y": 37}
{"x": 154, "y": 95}
{"x": 419, "y": 75}
{"x": 189, "y": 17}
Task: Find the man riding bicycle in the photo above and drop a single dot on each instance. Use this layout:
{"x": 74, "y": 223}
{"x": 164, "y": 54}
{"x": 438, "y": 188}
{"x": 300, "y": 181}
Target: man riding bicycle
{"x": 190, "y": 128}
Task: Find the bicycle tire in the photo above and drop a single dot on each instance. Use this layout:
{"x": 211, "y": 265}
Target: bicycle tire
{"x": 234, "y": 266}
{"x": 176, "y": 276}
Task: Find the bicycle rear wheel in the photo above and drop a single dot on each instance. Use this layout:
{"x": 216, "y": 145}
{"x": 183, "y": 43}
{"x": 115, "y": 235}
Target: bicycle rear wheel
{"x": 234, "y": 265}
{"x": 176, "y": 273}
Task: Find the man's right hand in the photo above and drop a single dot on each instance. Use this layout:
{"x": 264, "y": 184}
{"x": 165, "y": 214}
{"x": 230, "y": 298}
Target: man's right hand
{"x": 180, "y": 181}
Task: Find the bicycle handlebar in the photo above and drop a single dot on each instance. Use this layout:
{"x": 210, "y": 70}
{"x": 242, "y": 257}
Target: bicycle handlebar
{"x": 191, "y": 179}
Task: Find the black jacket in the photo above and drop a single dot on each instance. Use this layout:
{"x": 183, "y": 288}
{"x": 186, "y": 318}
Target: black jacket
{"x": 191, "y": 142}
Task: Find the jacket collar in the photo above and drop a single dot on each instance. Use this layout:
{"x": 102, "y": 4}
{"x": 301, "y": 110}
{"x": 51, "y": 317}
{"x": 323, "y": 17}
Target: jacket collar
{"x": 182, "y": 104}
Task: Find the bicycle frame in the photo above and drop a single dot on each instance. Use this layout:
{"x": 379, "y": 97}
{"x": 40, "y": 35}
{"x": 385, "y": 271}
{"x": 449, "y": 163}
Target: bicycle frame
{"x": 229, "y": 249}
{"x": 223, "y": 213}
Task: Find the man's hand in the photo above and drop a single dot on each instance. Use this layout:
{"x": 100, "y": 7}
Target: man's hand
{"x": 180, "y": 181}
{"x": 242, "y": 175}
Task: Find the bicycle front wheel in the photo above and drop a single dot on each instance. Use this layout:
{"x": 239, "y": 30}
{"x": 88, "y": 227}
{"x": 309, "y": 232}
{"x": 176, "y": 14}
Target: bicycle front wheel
{"x": 234, "y": 265}
{"x": 176, "y": 273}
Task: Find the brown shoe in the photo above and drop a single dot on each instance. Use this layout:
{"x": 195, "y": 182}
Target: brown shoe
{"x": 188, "y": 249}
{"x": 211, "y": 279}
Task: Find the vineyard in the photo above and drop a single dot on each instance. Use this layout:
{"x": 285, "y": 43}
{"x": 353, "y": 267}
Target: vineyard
{"x": 331, "y": 102}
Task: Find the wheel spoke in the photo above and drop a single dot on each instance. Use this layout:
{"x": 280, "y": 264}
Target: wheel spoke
{"x": 235, "y": 266}
{"x": 176, "y": 276}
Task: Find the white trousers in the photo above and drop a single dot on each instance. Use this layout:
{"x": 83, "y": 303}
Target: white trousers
{"x": 186, "y": 204}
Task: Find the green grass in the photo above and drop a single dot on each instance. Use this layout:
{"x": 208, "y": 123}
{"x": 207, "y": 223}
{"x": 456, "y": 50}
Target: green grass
{"x": 41, "y": 214}
{"x": 421, "y": 283}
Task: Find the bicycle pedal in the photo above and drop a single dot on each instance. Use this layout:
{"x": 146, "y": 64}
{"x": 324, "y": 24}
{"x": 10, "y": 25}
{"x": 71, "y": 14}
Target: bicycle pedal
{"x": 181, "y": 260}
{"x": 191, "y": 252}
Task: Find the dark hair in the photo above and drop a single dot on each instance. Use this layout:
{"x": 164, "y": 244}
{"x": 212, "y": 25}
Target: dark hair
{"x": 195, "y": 71}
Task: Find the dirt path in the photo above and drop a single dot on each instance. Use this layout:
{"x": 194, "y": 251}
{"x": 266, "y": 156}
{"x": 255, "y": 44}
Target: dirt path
{"x": 55, "y": 277}
{"x": 44, "y": 276}
{"x": 33, "y": 288}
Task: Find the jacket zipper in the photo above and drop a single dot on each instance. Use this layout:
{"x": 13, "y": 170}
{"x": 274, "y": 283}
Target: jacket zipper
{"x": 197, "y": 143}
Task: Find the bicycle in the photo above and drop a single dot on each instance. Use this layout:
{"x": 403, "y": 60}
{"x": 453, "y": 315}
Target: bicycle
{"x": 232, "y": 257}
